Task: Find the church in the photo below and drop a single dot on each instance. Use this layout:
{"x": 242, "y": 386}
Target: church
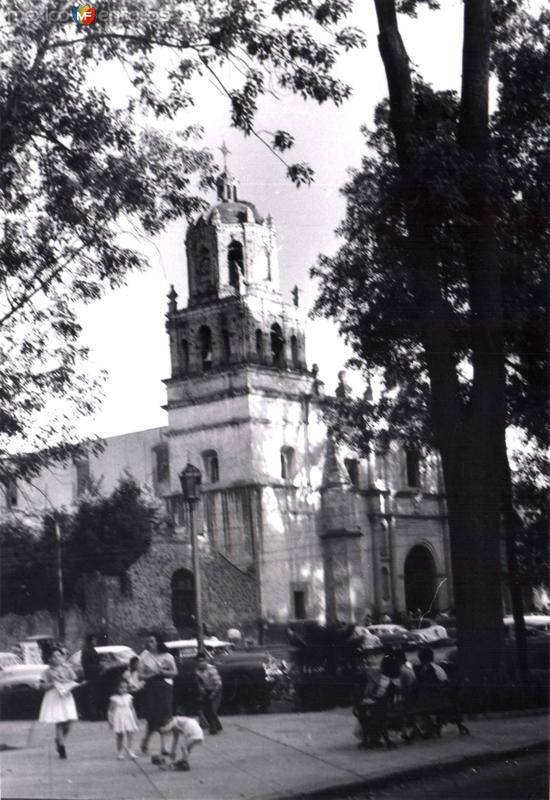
{"x": 289, "y": 526}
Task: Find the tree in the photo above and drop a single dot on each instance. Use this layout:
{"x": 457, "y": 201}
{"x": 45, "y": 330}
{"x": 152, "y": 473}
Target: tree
{"x": 28, "y": 568}
{"x": 440, "y": 281}
{"x": 82, "y": 178}
{"x": 105, "y": 534}
{"x": 109, "y": 534}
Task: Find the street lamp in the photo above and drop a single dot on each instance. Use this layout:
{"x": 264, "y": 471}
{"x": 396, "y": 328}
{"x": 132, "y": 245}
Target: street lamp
{"x": 190, "y": 479}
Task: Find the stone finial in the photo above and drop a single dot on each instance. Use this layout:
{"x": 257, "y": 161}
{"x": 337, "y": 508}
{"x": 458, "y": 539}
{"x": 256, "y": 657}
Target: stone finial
{"x": 368, "y": 391}
{"x": 343, "y": 389}
{"x": 334, "y": 473}
{"x": 296, "y": 296}
{"x": 172, "y": 298}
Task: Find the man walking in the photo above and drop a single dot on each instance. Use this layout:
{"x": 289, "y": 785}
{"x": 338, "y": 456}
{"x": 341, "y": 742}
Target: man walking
{"x": 91, "y": 665}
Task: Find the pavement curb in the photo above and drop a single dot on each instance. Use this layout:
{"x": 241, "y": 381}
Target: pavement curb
{"x": 422, "y": 771}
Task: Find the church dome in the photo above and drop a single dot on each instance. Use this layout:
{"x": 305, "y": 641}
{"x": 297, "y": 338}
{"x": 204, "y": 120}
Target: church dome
{"x": 235, "y": 211}
{"x": 230, "y": 209}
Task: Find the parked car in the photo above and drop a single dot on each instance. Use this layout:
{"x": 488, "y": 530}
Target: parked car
{"x": 538, "y": 644}
{"x": 110, "y": 655}
{"x": 433, "y": 635}
{"x": 114, "y": 659}
{"x": 9, "y": 660}
{"x": 370, "y": 641}
{"x": 248, "y": 677}
{"x": 396, "y": 635}
{"x": 539, "y": 621}
{"x": 21, "y": 690}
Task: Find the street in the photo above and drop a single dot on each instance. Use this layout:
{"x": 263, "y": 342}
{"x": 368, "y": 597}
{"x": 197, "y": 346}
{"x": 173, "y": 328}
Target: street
{"x": 522, "y": 778}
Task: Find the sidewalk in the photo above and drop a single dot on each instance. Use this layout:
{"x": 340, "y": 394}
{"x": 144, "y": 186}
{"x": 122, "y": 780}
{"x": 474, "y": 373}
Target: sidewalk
{"x": 257, "y": 757}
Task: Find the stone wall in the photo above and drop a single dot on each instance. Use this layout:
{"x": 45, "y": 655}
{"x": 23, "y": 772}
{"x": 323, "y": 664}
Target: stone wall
{"x": 124, "y": 613}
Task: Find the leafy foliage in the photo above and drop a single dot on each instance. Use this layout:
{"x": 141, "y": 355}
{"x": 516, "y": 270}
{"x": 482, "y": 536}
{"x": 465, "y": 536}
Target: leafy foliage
{"x": 104, "y": 534}
{"x": 108, "y": 534}
{"x": 367, "y": 286}
{"x": 83, "y": 177}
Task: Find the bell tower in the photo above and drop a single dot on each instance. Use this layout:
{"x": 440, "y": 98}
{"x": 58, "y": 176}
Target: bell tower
{"x": 235, "y": 313}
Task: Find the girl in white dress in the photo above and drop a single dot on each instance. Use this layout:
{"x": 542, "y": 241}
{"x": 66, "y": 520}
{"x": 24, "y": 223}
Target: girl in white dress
{"x": 122, "y": 719}
{"x": 58, "y": 704}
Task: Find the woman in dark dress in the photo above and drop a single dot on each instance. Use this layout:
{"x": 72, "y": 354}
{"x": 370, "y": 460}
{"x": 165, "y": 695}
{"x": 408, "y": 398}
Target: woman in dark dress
{"x": 158, "y": 669}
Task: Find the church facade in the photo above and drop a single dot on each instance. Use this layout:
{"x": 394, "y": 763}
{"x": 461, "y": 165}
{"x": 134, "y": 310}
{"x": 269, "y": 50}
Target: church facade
{"x": 290, "y": 526}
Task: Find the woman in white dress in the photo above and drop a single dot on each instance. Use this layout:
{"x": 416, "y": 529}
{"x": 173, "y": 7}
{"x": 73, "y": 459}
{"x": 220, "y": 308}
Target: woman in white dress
{"x": 58, "y": 706}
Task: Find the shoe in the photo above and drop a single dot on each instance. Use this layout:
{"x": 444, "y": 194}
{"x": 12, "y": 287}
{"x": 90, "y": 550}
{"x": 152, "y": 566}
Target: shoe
{"x": 182, "y": 765}
{"x": 164, "y": 752}
{"x": 120, "y": 756}
{"x": 132, "y": 755}
{"x": 61, "y": 750}
{"x": 213, "y": 731}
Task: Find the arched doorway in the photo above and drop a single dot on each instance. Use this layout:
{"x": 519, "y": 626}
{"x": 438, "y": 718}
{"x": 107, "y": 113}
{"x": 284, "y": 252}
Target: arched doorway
{"x": 420, "y": 580}
{"x": 183, "y": 599}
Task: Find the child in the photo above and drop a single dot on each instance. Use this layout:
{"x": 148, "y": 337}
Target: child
{"x": 122, "y": 719}
{"x": 58, "y": 704}
{"x": 209, "y": 685}
{"x": 135, "y": 684}
{"x": 191, "y": 734}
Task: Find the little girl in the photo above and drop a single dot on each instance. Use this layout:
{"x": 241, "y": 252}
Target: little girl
{"x": 122, "y": 719}
{"x": 58, "y": 704}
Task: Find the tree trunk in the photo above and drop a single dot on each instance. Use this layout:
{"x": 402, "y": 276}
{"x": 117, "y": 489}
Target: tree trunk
{"x": 469, "y": 438}
{"x": 512, "y": 523}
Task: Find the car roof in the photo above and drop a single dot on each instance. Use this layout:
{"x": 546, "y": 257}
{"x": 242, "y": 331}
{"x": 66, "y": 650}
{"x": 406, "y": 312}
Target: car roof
{"x": 113, "y": 648}
{"x": 210, "y": 641}
{"x": 536, "y": 620}
{"x": 387, "y": 626}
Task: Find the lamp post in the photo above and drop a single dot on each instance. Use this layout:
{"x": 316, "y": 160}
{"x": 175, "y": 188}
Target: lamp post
{"x": 60, "y": 598}
{"x": 190, "y": 479}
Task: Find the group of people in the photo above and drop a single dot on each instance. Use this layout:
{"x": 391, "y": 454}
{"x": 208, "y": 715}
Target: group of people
{"x": 415, "y": 700}
{"x": 149, "y": 677}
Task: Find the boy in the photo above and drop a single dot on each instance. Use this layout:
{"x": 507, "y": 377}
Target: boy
{"x": 189, "y": 733}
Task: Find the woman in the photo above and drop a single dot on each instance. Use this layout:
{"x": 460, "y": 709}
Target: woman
{"x": 158, "y": 669}
{"x": 58, "y": 705}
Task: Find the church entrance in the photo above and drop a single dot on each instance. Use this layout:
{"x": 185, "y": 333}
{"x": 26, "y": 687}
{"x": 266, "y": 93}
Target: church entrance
{"x": 420, "y": 579}
{"x": 183, "y": 601}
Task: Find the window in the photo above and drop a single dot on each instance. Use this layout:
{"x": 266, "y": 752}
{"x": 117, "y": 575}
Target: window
{"x": 82, "y": 467}
{"x": 299, "y": 604}
{"x": 226, "y": 346}
{"x": 235, "y": 263}
{"x": 205, "y": 339}
{"x": 352, "y": 466}
{"x": 183, "y": 599}
{"x": 294, "y": 351}
{"x": 287, "y": 463}
{"x": 385, "y": 573}
{"x": 10, "y": 490}
{"x": 259, "y": 344}
{"x": 161, "y": 465}
{"x": 185, "y": 355}
{"x": 211, "y": 466}
{"x": 413, "y": 467}
{"x": 384, "y": 542}
{"x": 277, "y": 343}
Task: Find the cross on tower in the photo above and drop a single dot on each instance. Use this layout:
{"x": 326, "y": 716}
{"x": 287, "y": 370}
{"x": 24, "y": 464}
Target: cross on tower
{"x": 225, "y": 151}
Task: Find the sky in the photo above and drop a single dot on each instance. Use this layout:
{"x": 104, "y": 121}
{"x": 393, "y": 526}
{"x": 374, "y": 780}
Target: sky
{"x": 125, "y": 330}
